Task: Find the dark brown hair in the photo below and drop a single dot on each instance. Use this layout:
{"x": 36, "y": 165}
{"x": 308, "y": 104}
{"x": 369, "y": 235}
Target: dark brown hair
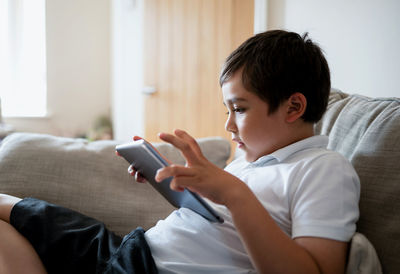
{"x": 277, "y": 64}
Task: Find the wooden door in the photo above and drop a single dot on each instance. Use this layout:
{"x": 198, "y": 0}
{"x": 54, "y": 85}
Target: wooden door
{"x": 186, "y": 42}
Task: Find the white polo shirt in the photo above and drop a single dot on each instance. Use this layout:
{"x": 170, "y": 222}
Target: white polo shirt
{"x": 307, "y": 189}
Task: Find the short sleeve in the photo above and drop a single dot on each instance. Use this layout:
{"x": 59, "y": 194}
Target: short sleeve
{"x": 325, "y": 200}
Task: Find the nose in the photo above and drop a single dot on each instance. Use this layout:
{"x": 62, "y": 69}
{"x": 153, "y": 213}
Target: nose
{"x": 230, "y": 124}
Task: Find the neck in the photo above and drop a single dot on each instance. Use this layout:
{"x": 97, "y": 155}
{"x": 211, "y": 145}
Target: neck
{"x": 300, "y": 131}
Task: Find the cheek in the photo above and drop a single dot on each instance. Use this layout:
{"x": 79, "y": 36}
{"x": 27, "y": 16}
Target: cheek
{"x": 248, "y": 128}
{"x": 255, "y": 131}
{"x": 249, "y": 123}
{"x": 241, "y": 123}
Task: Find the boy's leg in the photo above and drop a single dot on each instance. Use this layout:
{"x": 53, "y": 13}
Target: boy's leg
{"x": 7, "y": 202}
{"x": 69, "y": 242}
{"x": 64, "y": 240}
{"x": 16, "y": 253}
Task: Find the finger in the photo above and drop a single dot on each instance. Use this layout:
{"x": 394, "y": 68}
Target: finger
{"x": 176, "y": 187}
{"x": 131, "y": 170}
{"x": 135, "y": 138}
{"x": 184, "y": 182}
{"x": 173, "y": 171}
{"x": 139, "y": 178}
{"x": 188, "y": 153}
{"x": 190, "y": 140}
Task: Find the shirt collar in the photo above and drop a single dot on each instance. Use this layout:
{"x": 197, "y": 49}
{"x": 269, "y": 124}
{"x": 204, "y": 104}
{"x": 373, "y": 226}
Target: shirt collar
{"x": 317, "y": 141}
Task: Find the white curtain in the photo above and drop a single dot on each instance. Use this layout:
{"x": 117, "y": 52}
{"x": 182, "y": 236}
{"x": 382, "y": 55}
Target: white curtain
{"x": 23, "y": 58}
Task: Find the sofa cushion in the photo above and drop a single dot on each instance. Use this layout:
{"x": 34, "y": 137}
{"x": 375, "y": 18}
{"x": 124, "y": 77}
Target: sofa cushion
{"x": 367, "y": 132}
{"x": 89, "y": 177}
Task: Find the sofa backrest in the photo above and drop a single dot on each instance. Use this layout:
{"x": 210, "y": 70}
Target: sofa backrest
{"x": 367, "y": 132}
{"x": 88, "y": 177}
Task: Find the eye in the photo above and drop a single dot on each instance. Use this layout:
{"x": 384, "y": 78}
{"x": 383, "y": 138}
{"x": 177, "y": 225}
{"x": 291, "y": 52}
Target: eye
{"x": 239, "y": 110}
{"x": 236, "y": 110}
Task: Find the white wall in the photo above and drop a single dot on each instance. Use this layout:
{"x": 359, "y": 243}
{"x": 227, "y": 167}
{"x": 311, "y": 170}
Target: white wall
{"x": 361, "y": 39}
{"x": 127, "y": 74}
{"x": 78, "y": 67}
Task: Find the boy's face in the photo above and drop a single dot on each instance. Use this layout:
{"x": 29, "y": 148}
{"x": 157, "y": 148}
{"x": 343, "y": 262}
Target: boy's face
{"x": 256, "y": 132}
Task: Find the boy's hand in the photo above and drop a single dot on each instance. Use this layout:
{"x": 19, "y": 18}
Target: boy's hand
{"x": 138, "y": 176}
{"x": 132, "y": 171}
{"x": 199, "y": 175}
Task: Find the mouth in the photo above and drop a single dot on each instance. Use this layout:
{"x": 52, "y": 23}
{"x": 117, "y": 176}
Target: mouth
{"x": 239, "y": 142}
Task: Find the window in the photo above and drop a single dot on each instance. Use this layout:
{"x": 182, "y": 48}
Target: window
{"x": 23, "y": 58}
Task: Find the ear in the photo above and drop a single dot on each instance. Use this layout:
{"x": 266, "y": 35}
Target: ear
{"x": 296, "y": 106}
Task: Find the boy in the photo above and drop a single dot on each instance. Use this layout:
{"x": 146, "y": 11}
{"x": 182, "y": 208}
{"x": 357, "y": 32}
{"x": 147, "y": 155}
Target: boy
{"x": 290, "y": 205}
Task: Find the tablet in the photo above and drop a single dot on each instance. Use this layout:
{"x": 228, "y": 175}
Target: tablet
{"x": 146, "y": 160}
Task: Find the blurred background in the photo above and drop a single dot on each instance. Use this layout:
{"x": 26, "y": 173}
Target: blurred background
{"x": 104, "y": 69}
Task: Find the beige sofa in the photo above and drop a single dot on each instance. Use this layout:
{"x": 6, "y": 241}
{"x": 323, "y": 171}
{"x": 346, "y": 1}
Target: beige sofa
{"x": 367, "y": 132}
{"x": 88, "y": 177}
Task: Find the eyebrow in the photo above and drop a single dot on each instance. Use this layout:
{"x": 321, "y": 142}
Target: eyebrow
{"x": 235, "y": 100}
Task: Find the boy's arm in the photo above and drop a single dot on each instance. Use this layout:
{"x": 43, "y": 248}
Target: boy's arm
{"x": 270, "y": 249}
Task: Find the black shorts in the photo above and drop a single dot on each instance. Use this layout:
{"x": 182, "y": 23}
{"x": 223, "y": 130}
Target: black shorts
{"x": 69, "y": 242}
